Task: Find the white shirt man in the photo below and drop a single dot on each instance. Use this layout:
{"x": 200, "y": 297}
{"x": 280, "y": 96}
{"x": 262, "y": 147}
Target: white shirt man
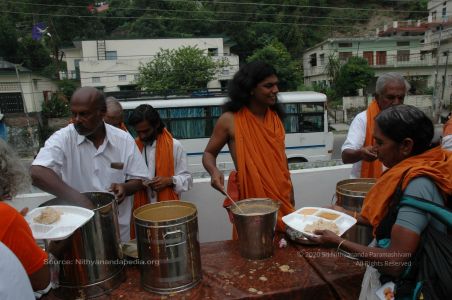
{"x": 182, "y": 178}
{"x": 76, "y": 160}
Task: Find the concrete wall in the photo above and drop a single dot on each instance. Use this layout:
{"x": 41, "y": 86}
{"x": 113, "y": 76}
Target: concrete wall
{"x": 312, "y": 187}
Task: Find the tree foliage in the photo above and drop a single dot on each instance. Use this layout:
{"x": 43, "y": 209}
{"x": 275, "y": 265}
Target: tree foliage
{"x": 353, "y": 75}
{"x": 276, "y": 54}
{"x": 185, "y": 69}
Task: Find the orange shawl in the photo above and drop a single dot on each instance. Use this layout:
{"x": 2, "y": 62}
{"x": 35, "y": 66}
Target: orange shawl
{"x": 448, "y": 128}
{"x": 371, "y": 169}
{"x": 261, "y": 160}
{"x": 435, "y": 163}
{"x": 164, "y": 166}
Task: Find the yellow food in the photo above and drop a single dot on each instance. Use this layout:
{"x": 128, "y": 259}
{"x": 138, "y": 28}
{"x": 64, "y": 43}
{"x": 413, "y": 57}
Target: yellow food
{"x": 328, "y": 215}
{"x": 321, "y": 225}
{"x": 307, "y": 211}
{"x": 48, "y": 216}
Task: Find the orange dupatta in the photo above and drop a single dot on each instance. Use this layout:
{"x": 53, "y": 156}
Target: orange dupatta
{"x": 447, "y": 128}
{"x": 371, "y": 169}
{"x": 164, "y": 166}
{"x": 261, "y": 160}
{"x": 435, "y": 163}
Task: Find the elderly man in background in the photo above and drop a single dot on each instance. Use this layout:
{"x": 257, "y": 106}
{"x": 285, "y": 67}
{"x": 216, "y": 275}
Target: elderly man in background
{"x": 88, "y": 156}
{"x": 358, "y": 148}
{"x": 114, "y": 115}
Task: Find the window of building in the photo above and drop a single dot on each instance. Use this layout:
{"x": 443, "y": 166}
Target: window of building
{"x": 401, "y": 44}
{"x": 136, "y": 76}
{"x": 403, "y": 55}
{"x": 344, "y": 56}
{"x": 345, "y": 45}
{"x": 122, "y": 77}
{"x": 433, "y": 15}
{"x": 381, "y": 58}
{"x": 369, "y": 56}
{"x": 313, "y": 59}
{"x": 111, "y": 55}
{"x": 95, "y": 79}
{"x": 212, "y": 51}
{"x": 322, "y": 59}
{"x": 444, "y": 14}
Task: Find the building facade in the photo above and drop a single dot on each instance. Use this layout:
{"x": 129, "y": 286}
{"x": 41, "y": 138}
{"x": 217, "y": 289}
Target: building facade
{"x": 419, "y": 50}
{"x": 112, "y": 65}
{"x": 34, "y": 88}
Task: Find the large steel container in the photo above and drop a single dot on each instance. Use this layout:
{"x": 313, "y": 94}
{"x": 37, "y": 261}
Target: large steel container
{"x": 350, "y": 195}
{"x": 90, "y": 260}
{"x": 255, "y": 221}
{"x": 168, "y": 246}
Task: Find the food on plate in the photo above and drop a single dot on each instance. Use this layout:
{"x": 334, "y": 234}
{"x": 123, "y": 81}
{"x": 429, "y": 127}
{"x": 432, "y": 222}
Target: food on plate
{"x": 328, "y": 215}
{"x": 389, "y": 294}
{"x": 48, "y": 216}
{"x": 321, "y": 225}
{"x": 307, "y": 211}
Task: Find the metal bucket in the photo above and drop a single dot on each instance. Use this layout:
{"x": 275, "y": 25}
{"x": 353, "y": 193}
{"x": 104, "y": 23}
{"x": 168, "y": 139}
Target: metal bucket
{"x": 350, "y": 195}
{"x": 90, "y": 260}
{"x": 168, "y": 246}
{"x": 256, "y": 226}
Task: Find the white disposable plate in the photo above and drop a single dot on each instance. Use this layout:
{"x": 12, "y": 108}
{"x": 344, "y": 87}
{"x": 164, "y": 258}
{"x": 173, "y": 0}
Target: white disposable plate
{"x": 298, "y": 221}
{"x": 71, "y": 219}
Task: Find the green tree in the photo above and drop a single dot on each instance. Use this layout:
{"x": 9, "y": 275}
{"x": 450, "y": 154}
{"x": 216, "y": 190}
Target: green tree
{"x": 185, "y": 69}
{"x": 353, "y": 75}
{"x": 276, "y": 54}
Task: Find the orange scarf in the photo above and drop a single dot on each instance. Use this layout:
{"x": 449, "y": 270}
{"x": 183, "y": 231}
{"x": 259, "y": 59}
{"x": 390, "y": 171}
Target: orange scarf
{"x": 371, "y": 169}
{"x": 448, "y": 128}
{"x": 435, "y": 163}
{"x": 123, "y": 127}
{"x": 261, "y": 160}
{"x": 164, "y": 166}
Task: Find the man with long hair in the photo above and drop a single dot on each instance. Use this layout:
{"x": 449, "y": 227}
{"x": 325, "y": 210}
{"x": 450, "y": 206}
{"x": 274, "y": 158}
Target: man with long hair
{"x": 252, "y": 128}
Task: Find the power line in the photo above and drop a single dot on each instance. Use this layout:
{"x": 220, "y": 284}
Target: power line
{"x": 193, "y": 11}
{"x": 174, "y": 19}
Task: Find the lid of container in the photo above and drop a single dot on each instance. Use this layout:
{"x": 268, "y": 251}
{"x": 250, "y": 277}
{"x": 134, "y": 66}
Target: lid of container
{"x": 255, "y": 207}
{"x": 355, "y": 187}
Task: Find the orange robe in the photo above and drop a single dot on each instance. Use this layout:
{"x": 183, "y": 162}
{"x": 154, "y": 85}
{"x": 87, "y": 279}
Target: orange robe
{"x": 164, "y": 166}
{"x": 262, "y": 170}
{"x": 371, "y": 169}
{"x": 447, "y": 128}
{"x": 435, "y": 164}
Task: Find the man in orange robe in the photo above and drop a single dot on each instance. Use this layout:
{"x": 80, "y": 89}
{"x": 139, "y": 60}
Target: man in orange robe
{"x": 254, "y": 132}
{"x": 164, "y": 156}
{"x": 358, "y": 148}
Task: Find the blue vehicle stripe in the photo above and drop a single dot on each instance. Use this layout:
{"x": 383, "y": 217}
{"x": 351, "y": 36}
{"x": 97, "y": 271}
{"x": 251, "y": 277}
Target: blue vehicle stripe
{"x": 287, "y": 148}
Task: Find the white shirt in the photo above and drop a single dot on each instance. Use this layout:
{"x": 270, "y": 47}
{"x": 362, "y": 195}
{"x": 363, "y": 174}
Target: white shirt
{"x": 14, "y": 281}
{"x": 80, "y": 165}
{"x": 446, "y": 142}
{"x": 355, "y": 140}
{"x": 184, "y": 181}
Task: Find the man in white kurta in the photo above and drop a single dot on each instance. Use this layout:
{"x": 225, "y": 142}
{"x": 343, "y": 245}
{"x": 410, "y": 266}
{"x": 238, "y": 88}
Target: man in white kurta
{"x": 182, "y": 179}
{"x": 84, "y": 166}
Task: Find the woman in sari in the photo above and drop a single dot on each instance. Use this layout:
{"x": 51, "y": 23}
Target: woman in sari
{"x": 416, "y": 173}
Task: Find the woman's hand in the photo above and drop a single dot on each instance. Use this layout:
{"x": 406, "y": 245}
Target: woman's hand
{"x": 325, "y": 238}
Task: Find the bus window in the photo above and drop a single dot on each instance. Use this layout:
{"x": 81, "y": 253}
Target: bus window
{"x": 186, "y": 122}
{"x": 312, "y": 123}
{"x": 312, "y": 107}
{"x": 291, "y": 118}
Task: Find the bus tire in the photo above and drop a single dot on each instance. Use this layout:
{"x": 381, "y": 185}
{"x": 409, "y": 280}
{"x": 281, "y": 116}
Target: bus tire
{"x": 294, "y": 160}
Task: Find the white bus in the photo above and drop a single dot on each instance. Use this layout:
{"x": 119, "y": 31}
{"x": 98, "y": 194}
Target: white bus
{"x": 191, "y": 121}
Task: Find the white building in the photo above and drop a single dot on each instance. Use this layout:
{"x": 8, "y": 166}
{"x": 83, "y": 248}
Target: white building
{"x": 112, "y": 65}
{"x": 417, "y": 49}
{"x": 35, "y": 89}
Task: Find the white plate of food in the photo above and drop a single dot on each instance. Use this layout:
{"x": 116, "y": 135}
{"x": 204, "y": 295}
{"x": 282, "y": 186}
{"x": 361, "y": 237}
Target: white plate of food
{"x": 308, "y": 219}
{"x": 57, "y": 222}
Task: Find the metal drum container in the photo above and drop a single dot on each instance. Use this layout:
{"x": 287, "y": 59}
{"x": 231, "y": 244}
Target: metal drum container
{"x": 168, "y": 246}
{"x": 350, "y": 195}
{"x": 255, "y": 223}
{"x": 90, "y": 260}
